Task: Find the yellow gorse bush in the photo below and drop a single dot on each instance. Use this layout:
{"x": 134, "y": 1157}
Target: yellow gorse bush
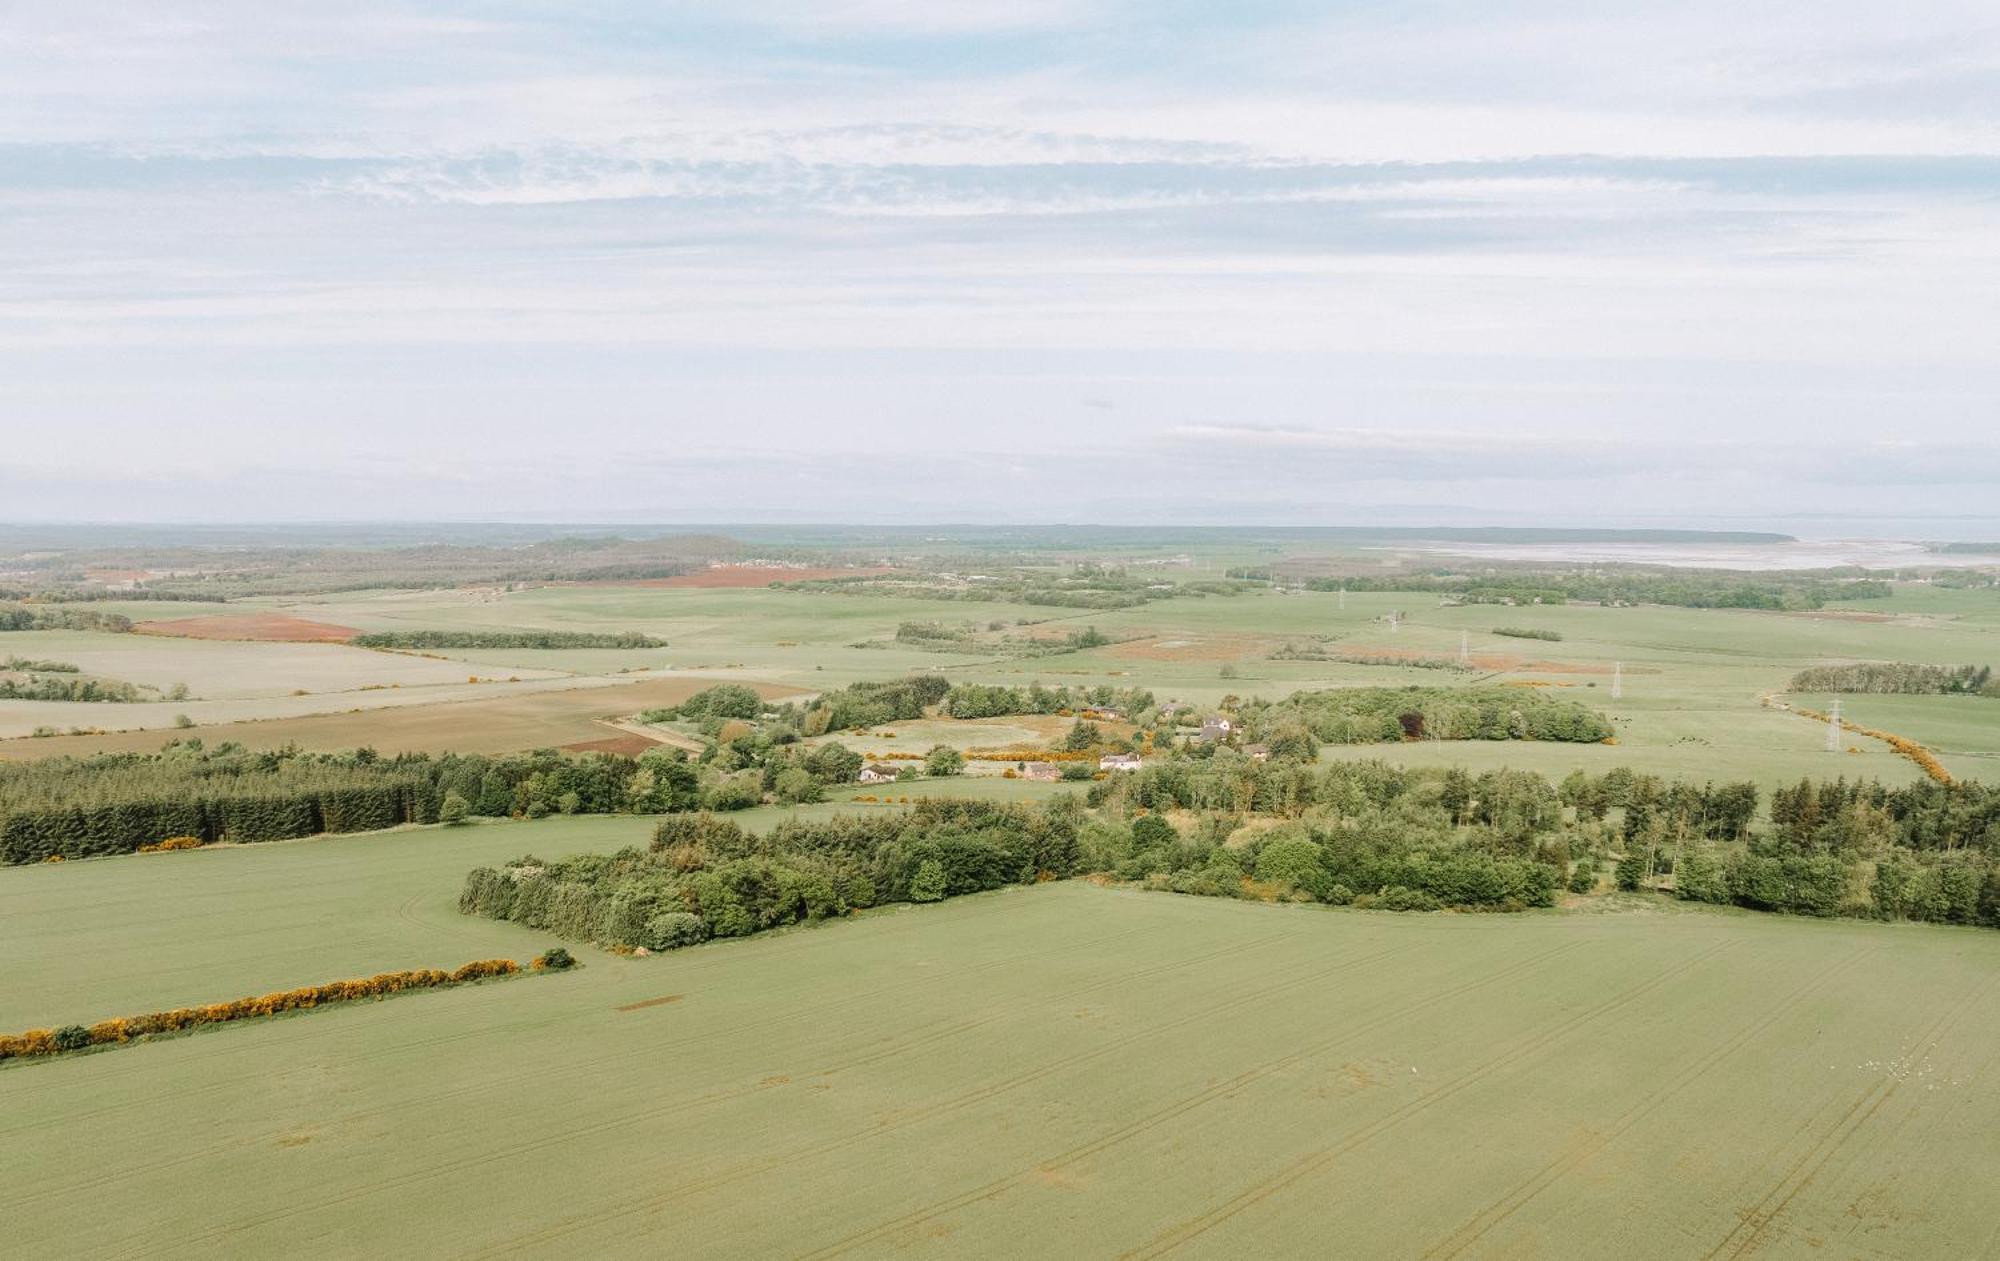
{"x": 126, "y": 1028}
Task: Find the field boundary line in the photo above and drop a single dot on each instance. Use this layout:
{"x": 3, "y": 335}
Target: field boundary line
{"x": 718, "y": 1095}
{"x": 872, "y": 1053}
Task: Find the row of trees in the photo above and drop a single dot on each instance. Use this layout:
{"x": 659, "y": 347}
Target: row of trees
{"x": 21, "y": 617}
{"x": 1695, "y": 589}
{"x": 978, "y": 700}
{"x": 66, "y": 687}
{"x": 440, "y": 639}
{"x": 706, "y": 877}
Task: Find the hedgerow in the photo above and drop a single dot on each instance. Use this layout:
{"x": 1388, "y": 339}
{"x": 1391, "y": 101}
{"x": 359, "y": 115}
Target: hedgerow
{"x": 439, "y": 639}
{"x": 42, "y": 1042}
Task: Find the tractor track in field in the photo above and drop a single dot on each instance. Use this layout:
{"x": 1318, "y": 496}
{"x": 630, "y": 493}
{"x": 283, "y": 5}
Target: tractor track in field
{"x": 1759, "y": 1219}
{"x": 111, "y": 1176}
{"x": 866, "y": 1056}
{"x": 1155, "y": 1119}
{"x": 942, "y": 1107}
{"x": 747, "y": 1027}
{"x": 1306, "y": 1166}
{"x": 1483, "y": 1222}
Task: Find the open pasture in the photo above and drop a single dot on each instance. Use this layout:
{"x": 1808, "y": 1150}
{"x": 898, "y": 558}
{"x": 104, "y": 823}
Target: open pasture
{"x": 488, "y": 718}
{"x": 1691, "y": 678}
{"x": 1057, "y": 1070}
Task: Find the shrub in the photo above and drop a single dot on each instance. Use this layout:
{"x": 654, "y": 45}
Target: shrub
{"x": 1398, "y": 898}
{"x": 670, "y": 930}
{"x": 554, "y": 959}
{"x": 70, "y": 1038}
{"x": 1292, "y": 862}
{"x": 928, "y": 885}
{"x": 943, "y": 760}
{"x": 453, "y": 810}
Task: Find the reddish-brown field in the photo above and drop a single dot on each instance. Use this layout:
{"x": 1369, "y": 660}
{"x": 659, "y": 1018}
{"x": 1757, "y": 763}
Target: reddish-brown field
{"x": 739, "y": 576}
{"x": 1190, "y": 648}
{"x": 503, "y": 724}
{"x": 1491, "y": 661}
{"x": 261, "y": 627}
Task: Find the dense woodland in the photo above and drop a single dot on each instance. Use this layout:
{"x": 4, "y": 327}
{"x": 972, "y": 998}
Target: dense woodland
{"x": 1899, "y": 678}
{"x": 1373, "y": 715}
{"x": 705, "y": 877}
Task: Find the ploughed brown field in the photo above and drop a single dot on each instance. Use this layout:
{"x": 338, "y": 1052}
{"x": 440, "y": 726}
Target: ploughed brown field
{"x": 502, "y": 724}
{"x": 266, "y": 627}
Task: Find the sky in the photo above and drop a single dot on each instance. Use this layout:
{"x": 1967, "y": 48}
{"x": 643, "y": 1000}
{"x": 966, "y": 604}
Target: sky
{"x": 1124, "y": 261}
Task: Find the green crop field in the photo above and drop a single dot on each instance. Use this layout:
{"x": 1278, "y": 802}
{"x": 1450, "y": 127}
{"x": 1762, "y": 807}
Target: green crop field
{"x": 1691, "y": 679}
{"x": 1056, "y": 1070}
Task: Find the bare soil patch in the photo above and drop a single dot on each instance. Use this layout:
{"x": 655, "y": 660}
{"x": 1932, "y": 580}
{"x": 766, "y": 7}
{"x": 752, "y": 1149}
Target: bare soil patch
{"x": 644, "y": 1003}
{"x": 1191, "y": 648}
{"x": 259, "y": 627}
{"x": 502, "y": 724}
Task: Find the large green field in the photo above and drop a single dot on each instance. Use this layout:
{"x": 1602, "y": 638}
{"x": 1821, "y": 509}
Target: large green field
{"x": 1691, "y": 679}
{"x": 1058, "y": 1070}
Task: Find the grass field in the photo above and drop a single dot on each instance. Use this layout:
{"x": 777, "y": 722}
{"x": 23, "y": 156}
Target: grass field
{"x": 1058, "y": 1070}
{"x": 1691, "y": 678}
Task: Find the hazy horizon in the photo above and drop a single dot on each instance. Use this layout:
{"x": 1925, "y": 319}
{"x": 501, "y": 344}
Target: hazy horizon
{"x": 877, "y": 260}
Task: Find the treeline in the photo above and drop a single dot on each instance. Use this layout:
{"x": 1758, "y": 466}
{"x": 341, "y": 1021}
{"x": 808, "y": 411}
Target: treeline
{"x": 88, "y": 594}
{"x": 438, "y": 639}
{"x": 978, "y": 700}
{"x": 1373, "y": 715}
{"x": 116, "y": 803}
{"x": 123, "y": 1029}
{"x": 1528, "y": 632}
{"x": 63, "y": 687}
{"x": 1084, "y": 586}
{"x": 1694, "y": 589}
{"x": 39, "y": 667}
{"x": 19, "y": 617}
{"x": 1898, "y": 678}
{"x": 706, "y": 877}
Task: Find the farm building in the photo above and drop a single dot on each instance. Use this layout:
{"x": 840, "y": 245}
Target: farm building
{"x": 877, "y": 774}
{"x": 1119, "y": 762}
{"x": 1216, "y": 729}
{"x": 1257, "y": 752}
{"x": 1101, "y": 713}
{"x": 1044, "y": 771}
